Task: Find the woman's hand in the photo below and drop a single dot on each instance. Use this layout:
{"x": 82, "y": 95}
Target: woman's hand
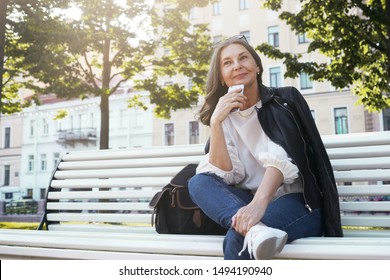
{"x": 251, "y": 214}
{"x": 226, "y": 104}
{"x": 246, "y": 217}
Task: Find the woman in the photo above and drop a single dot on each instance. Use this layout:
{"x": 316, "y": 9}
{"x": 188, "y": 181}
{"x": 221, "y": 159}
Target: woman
{"x": 266, "y": 177}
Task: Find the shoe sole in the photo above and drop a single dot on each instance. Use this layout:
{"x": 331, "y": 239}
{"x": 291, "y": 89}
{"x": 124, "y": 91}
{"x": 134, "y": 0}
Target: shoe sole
{"x": 269, "y": 247}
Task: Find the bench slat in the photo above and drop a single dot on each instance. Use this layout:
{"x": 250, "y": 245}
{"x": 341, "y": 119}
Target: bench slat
{"x": 362, "y": 175}
{"x": 364, "y": 190}
{"x": 203, "y": 247}
{"x": 112, "y": 182}
{"x": 106, "y": 218}
{"x": 23, "y": 252}
{"x": 366, "y": 220}
{"x": 357, "y": 139}
{"x": 115, "y": 206}
{"x": 359, "y": 152}
{"x": 339, "y": 252}
{"x": 366, "y": 206}
{"x": 129, "y": 163}
{"x": 151, "y": 152}
{"x": 118, "y": 173}
{"x": 361, "y": 163}
{"x": 143, "y": 193}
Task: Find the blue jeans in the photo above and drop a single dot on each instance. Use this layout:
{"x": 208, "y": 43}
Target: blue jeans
{"x": 221, "y": 202}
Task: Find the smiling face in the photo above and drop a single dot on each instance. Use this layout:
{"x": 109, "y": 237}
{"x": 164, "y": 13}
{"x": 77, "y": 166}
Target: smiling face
{"x": 238, "y": 66}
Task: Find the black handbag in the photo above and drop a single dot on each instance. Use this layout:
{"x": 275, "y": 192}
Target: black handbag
{"x": 175, "y": 212}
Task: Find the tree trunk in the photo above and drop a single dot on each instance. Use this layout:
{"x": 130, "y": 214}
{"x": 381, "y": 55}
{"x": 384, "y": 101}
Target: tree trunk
{"x": 104, "y": 121}
{"x": 104, "y": 98}
{"x": 3, "y": 15}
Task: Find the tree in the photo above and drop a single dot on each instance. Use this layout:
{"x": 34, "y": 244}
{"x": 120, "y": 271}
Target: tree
{"x": 3, "y": 13}
{"x": 81, "y": 57}
{"x": 187, "y": 53}
{"x": 354, "y": 34}
{"x": 95, "y": 54}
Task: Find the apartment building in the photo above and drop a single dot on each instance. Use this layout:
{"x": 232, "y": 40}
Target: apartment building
{"x": 10, "y": 156}
{"x": 33, "y": 142}
{"x": 335, "y": 111}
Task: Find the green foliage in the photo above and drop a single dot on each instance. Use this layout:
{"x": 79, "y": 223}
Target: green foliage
{"x": 78, "y": 57}
{"x": 354, "y": 35}
{"x": 95, "y": 54}
{"x": 19, "y": 225}
{"x": 135, "y": 101}
{"x": 61, "y": 114}
{"x": 187, "y": 53}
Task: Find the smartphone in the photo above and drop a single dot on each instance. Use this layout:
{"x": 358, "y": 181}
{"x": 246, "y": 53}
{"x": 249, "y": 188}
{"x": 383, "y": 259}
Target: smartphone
{"x": 231, "y": 88}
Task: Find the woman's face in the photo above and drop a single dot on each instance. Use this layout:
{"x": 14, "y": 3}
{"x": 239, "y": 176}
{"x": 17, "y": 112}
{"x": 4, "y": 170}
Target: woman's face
{"x": 238, "y": 66}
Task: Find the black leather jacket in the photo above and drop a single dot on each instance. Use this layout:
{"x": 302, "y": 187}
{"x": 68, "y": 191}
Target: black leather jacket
{"x": 286, "y": 118}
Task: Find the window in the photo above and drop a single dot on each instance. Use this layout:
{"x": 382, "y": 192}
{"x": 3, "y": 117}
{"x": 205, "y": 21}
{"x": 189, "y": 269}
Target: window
{"x": 244, "y": 4}
{"x": 9, "y": 195}
{"x": 341, "y": 120}
{"x": 32, "y": 127}
{"x": 217, "y": 8}
{"x": 92, "y": 120}
{"x": 275, "y": 77}
{"x": 43, "y": 162}
{"x": 7, "y": 175}
{"x": 45, "y": 127}
{"x": 194, "y": 132}
{"x": 190, "y": 84}
{"x": 31, "y": 163}
{"x": 124, "y": 119}
{"x": 56, "y": 159}
{"x": 42, "y": 193}
{"x": 247, "y": 35}
{"x": 273, "y": 36}
{"x": 386, "y": 119}
{"x": 7, "y": 138}
{"x": 302, "y": 38}
{"x": 71, "y": 119}
{"x": 306, "y": 82}
{"x": 169, "y": 134}
{"x": 30, "y": 193}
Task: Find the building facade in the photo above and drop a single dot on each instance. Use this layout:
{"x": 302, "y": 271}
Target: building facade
{"x": 335, "y": 111}
{"x": 11, "y": 128}
{"x": 34, "y": 141}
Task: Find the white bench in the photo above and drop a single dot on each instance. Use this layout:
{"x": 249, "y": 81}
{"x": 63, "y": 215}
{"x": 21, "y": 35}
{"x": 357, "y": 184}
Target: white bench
{"x": 97, "y": 206}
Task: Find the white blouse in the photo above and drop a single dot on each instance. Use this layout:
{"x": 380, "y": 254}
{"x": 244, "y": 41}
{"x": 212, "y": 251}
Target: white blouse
{"x": 251, "y": 152}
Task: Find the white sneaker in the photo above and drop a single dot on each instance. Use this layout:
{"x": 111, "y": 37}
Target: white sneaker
{"x": 264, "y": 242}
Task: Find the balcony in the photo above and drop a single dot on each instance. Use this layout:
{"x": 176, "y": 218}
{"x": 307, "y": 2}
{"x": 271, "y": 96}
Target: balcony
{"x": 71, "y": 137}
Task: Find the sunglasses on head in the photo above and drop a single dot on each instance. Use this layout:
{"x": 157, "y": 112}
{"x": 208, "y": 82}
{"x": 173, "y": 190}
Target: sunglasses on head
{"x": 233, "y": 38}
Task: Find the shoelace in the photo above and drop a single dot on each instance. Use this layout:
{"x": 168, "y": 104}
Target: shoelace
{"x": 248, "y": 242}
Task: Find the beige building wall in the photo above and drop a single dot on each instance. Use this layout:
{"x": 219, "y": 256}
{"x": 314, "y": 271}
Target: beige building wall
{"x": 322, "y": 98}
{"x": 10, "y": 156}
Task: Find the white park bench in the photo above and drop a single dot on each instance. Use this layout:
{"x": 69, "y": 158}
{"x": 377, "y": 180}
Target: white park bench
{"x": 97, "y": 206}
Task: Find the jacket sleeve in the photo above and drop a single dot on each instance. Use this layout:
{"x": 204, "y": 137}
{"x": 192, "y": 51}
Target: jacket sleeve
{"x": 311, "y": 130}
{"x": 327, "y": 183}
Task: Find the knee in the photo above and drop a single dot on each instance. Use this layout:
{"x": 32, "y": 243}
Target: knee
{"x": 197, "y": 184}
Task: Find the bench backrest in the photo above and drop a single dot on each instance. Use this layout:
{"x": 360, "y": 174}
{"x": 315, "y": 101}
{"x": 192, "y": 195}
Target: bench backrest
{"x": 113, "y": 187}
